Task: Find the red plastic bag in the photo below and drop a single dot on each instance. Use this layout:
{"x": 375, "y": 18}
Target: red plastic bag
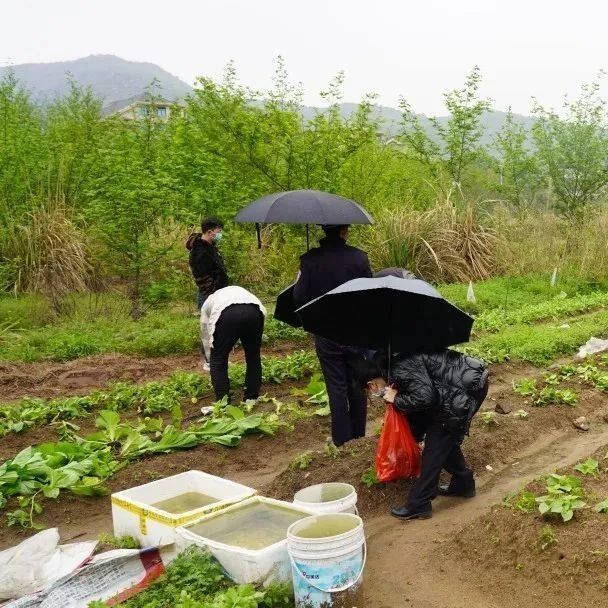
{"x": 398, "y": 454}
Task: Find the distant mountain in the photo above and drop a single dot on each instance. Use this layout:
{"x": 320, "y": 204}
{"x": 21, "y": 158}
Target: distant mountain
{"x": 390, "y": 118}
{"x": 119, "y": 82}
{"x": 113, "y": 79}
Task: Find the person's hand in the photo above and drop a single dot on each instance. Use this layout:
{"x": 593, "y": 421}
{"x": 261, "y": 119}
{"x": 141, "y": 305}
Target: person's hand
{"x": 389, "y": 394}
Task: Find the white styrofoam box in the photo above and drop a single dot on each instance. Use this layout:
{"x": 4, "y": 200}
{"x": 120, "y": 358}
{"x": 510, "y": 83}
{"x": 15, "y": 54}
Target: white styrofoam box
{"x": 134, "y": 515}
{"x": 261, "y": 566}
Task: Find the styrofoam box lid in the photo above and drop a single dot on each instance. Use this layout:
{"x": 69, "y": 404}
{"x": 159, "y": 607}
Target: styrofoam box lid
{"x": 185, "y": 533}
{"x": 224, "y": 490}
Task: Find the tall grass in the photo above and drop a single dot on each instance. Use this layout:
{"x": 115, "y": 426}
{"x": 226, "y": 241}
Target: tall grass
{"x": 537, "y": 242}
{"x": 451, "y": 244}
{"x": 47, "y": 252}
{"x": 443, "y": 244}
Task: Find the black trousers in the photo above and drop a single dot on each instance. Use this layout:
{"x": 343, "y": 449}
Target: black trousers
{"x": 347, "y": 402}
{"x": 244, "y": 322}
{"x": 441, "y": 451}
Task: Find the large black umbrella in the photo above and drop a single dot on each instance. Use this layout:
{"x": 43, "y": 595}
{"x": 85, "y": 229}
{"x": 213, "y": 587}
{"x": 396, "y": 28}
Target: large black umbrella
{"x": 403, "y": 315}
{"x": 285, "y": 309}
{"x": 400, "y": 273}
{"x": 303, "y": 207}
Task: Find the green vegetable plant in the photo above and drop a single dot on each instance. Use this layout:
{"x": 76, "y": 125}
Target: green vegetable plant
{"x": 564, "y": 496}
{"x": 589, "y": 467}
{"x": 551, "y": 395}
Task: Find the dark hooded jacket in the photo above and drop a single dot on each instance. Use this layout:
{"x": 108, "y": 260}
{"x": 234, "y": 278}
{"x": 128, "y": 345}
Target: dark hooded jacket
{"x": 446, "y": 386}
{"x": 206, "y": 264}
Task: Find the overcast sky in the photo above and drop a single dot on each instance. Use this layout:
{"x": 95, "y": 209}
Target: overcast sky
{"x": 417, "y": 49}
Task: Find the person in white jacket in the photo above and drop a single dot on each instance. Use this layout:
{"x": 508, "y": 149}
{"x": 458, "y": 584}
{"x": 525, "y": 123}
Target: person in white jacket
{"x": 228, "y": 315}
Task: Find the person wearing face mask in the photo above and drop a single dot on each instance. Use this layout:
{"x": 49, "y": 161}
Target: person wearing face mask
{"x": 439, "y": 392}
{"x": 207, "y": 264}
{"x": 205, "y": 259}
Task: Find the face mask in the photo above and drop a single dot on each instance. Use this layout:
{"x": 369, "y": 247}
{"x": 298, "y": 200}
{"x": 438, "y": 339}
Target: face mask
{"x": 380, "y": 393}
{"x": 218, "y": 237}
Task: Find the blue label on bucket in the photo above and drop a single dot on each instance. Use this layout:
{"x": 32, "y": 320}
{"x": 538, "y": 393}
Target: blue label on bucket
{"x": 313, "y": 583}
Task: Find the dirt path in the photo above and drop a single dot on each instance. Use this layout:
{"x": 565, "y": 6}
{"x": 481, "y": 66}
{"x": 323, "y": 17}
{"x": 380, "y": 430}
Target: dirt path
{"x": 405, "y": 567}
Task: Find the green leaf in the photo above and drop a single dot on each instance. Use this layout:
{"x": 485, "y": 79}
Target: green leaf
{"x": 235, "y": 412}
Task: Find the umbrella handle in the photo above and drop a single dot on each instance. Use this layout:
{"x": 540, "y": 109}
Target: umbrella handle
{"x": 258, "y": 231}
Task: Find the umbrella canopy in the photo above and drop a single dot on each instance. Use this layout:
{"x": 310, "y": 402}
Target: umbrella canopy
{"x": 404, "y": 315}
{"x": 304, "y": 207}
{"x": 400, "y": 273}
{"x": 285, "y": 309}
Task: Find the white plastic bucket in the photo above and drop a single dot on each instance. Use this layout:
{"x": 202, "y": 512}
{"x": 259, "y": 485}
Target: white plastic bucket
{"x": 312, "y": 498}
{"x": 326, "y": 569}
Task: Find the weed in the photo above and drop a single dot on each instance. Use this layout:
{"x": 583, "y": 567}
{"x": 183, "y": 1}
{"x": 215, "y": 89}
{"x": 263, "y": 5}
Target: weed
{"x": 601, "y": 507}
{"x": 369, "y": 478}
{"x": 526, "y": 387}
{"x": 331, "y": 450}
{"x": 588, "y": 467}
{"x": 302, "y": 462}
{"x": 490, "y": 418}
{"x": 524, "y": 502}
{"x": 546, "y": 538}
{"x": 118, "y": 542}
{"x": 521, "y": 414}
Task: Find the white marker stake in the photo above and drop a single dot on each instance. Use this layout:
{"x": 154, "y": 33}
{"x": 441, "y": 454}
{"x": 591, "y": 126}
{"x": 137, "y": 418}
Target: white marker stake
{"x": 554, "y": 277}
{"x": 471, "y": 294}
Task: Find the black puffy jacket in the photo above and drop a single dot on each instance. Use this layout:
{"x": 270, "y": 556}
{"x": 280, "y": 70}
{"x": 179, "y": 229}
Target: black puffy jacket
{"x": 446, "y": 385}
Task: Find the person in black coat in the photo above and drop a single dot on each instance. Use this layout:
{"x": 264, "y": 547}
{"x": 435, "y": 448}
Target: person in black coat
{"x": 205, "y": 260}
{"x": 322, "y": 269}
{"x": 439, "y": 392}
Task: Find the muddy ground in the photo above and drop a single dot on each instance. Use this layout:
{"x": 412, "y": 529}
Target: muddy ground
{"x": 444, "y": 562}
{"x": 81, "y": 376}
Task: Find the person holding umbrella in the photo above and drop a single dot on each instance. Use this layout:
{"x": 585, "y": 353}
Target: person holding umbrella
{"x": 439, "y": 392}
{"x": 322, "y": 269}
{"x": 438, "y": 389}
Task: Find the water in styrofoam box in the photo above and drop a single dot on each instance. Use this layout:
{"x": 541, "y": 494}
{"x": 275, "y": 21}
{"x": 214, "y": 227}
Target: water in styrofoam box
{"x": 152, "y": 511}
{"x": 249, "y": 539}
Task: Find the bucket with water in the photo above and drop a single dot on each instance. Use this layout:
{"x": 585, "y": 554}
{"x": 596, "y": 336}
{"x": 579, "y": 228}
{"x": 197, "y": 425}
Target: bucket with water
{"x": 327, "y": 554}
{"x": 328, "y": 498}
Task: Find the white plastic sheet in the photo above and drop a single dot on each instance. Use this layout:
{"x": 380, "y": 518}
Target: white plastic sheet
{"x": 592, "y": 347}
{"x": 38, "y": 561}
{"x": 40, "y": 573}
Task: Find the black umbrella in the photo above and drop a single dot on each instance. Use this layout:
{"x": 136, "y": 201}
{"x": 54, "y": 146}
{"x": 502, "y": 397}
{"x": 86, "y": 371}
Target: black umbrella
{"x": 400, "y": 273}
{"x": 285, "y": 309}
{"x": 303, "y": 207}
{"x": 403, "y": 315}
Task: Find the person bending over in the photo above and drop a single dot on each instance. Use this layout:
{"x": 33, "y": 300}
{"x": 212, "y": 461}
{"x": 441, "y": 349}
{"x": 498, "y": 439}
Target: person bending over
{"x": 228, "y": 315}
{"x": 439, "y": 392}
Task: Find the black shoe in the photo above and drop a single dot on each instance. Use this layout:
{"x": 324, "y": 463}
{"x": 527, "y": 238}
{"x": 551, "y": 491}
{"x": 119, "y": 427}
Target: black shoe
{"x": 405, "y": 513}
{"x": 447, "y": 491}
